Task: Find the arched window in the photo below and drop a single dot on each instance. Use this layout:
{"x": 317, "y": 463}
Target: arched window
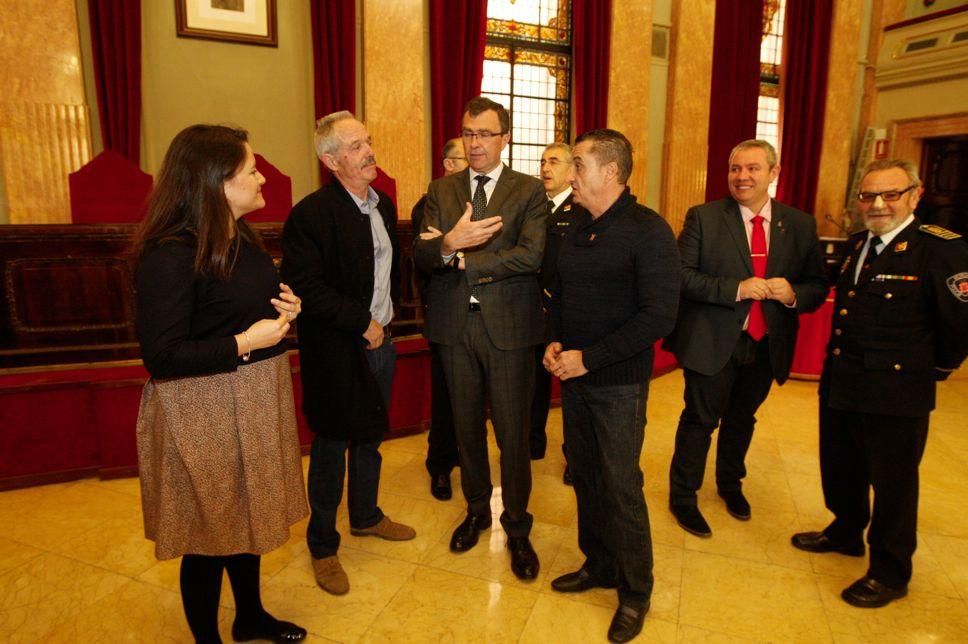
{"x": 527, "y": 68}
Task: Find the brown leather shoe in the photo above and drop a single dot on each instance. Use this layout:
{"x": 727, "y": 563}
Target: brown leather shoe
{"x": 386, "y": 529}
{"x": 867, "y": 592}
{"x": 330, "y": 575}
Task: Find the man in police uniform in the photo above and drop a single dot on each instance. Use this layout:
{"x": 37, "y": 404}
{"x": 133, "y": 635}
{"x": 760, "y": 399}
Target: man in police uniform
{"x": 557, "y": 171}
{"x": 900, "y": 324}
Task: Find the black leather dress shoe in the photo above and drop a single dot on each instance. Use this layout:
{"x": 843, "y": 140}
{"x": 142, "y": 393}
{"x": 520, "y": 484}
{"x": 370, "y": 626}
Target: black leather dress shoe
{"x": 275, "y": 631}
{"x": 580, "y": 581}
{"x": 691, "y": 520}
{"x": 524, "y": 560}
{"x": 820, "y": 542}
{"x": 736, "y": 505}
{"x": 465, "y": 536}
{"x": 440, "y": 486}
{"x": 627, "y": 622}
{"x": 566, "y": 477}
{"x": 867, "y": 592}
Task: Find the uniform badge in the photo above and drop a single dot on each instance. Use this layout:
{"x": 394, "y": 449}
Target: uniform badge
{"x": 843, "y": 267}
{"x": 900, "y": 247}
{"x": 563, "y": 223}
{"x": 567, "y": 208}
{"x": 958, "y": 285}
{"x": 938, "y": 231}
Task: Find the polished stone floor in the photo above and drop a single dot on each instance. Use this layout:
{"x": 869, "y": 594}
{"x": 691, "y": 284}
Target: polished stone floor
{"x": 75, "y": 567}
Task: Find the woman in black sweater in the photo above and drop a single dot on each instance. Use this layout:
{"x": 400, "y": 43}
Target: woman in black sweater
{"x": 218, "y": 453}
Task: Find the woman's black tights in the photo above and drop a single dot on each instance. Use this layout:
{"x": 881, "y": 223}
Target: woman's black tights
{"x": 201, "y": 585}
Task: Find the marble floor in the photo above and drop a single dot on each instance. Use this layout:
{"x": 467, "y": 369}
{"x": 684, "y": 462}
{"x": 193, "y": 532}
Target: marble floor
{"x": 75, "y": 567}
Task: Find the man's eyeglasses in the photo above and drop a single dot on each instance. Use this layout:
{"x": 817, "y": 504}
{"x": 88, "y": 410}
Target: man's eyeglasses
{"x": 456, "y": 158}
{"x": 483, "y": 135}
{"x": 887, "y": 195}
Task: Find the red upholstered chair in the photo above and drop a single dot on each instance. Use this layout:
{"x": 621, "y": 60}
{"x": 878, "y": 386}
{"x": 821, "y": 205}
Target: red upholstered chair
{"x": 277, "y": 192}
{"x": 108, "y": 190}
{"x": 385, "y": 183}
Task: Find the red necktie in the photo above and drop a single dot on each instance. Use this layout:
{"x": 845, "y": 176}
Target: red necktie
{"x": 757, "y": 325}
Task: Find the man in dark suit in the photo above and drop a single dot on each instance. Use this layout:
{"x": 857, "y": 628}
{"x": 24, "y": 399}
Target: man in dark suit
{"x": 441, "y": 439}
{"x": 750, "y": 265}
{"x": 339, "y": 246}
{"x": 484, "y": 309}
{"x": 900, "y": 324}
{"x": 557, "y": 172}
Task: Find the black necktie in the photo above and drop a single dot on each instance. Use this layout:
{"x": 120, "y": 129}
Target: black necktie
{"x": 479, "y": 202}
{"x": 871, "y": 248}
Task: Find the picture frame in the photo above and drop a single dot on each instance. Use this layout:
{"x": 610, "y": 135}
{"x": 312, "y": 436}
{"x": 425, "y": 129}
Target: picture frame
{"x": 252, "y": 22}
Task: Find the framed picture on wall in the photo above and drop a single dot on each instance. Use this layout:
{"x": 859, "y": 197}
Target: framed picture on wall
{"x": 245, "y": 21}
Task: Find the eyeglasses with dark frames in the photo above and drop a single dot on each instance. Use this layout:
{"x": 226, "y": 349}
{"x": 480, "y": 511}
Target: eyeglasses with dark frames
{"x": 483, "y": 135}
{"x": 887, "y": 195}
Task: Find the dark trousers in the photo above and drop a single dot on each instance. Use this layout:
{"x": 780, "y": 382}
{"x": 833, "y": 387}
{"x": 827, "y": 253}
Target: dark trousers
{"x": 732, "y": 396}
{"x": 327, "y": 472}
{"x": 441, "y": 440}
{"x": 604, "y": 431}
{"x": 859, "y": 451}
{"x": 476, "y": 371}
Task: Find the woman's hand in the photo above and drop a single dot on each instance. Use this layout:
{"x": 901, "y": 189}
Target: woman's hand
{"x": 287, "y": 304}
{"x": 262, "y": 334}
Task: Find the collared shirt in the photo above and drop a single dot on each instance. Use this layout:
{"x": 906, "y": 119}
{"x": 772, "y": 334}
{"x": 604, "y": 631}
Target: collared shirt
{"x": 559, "y": 198}
{"x": 886, "y": 240}
{"x": 381, "y": 308}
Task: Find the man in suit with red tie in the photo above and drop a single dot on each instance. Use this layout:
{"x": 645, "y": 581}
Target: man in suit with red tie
{"x": 750, "y": 265}
{"x": 900, "y": 325}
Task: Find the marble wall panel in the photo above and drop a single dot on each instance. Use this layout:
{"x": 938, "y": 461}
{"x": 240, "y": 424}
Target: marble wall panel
{"x": 44, "y": 120}
{"x": 394, "y": 100}
{"x": 835, "y": 151}
{"x": 687, "y": 108}
{"x": 628, "y": 82}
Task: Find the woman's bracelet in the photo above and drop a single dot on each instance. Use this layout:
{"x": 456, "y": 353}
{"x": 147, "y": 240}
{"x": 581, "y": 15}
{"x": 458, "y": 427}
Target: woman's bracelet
{"x": 248, "y": 345}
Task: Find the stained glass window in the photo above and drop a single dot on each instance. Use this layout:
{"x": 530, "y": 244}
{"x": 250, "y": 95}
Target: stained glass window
{"x": 527, "y": 68}
{"x": 769, "y": 112}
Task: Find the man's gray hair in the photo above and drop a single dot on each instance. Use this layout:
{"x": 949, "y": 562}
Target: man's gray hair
{"x": 909, "y": 168}
{"x": 766, "y": 146}
{"x": 564, "y": 147}
{"x": 325, "y": 140}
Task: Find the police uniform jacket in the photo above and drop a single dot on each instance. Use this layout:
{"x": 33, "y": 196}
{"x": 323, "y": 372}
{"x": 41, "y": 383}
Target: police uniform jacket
{"x": 902, "y": 326}
{"x": 560, "y": 222}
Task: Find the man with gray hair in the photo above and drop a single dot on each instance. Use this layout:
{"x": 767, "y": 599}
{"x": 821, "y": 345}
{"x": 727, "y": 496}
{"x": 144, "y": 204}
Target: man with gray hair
{"x": 339, "y": 246}
{"x": 614, "y": 296}
{"x": 900, "y": 324}
{"x": 750, "y": 266}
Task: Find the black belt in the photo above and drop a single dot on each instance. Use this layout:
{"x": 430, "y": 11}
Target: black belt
{"x": 474, "y": 307}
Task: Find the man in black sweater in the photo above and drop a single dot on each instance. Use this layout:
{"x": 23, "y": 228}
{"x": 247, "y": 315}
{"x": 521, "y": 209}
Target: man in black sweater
{"x": 616, "y": 294}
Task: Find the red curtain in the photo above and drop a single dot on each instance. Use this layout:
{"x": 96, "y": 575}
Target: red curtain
{"x": 735, "y": 86}
{"x": 334, "y": 59}
{"x": 592, "y": 37}
{"x": 116, "y": 44}
{"x": 804, "y": 99}
{"x": 457, "y": 32}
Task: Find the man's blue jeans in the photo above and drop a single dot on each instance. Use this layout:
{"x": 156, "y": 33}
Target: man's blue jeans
{"x": 604, "y": 430}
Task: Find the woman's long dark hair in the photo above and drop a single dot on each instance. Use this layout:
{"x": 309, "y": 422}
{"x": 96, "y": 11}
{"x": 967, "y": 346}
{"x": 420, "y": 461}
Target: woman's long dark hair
{"x": 188, "y": 200}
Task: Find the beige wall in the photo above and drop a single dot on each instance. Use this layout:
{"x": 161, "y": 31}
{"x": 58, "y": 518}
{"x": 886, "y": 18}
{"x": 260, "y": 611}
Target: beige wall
{"x": 267, "y": 90}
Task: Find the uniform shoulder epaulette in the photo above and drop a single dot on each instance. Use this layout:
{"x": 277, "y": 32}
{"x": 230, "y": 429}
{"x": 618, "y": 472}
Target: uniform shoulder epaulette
{"x": 938, "y": 231}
